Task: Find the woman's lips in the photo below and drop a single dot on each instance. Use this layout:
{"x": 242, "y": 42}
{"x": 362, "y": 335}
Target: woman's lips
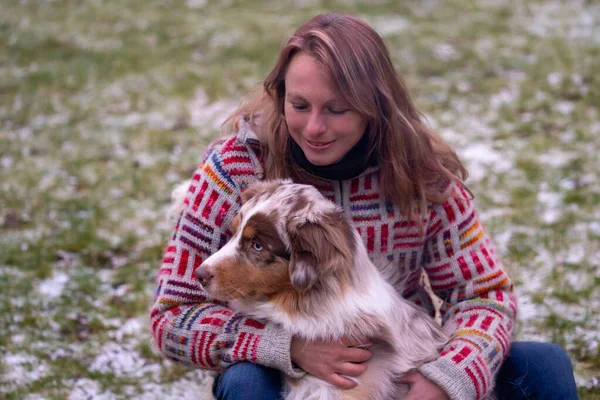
{"x": 319, "y": 145}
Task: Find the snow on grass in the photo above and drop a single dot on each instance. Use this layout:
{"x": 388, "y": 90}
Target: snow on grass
{"x": 23, "y": 369}
{"x": 53, "y": 287}
{"x": 98, "y": 122}
{"x": 87, "y": 389}
{"x": 118, "y": 359}
{"x": 203, "y": 113}
{"x": 387, "y": 25}
{"x": 195, "y": 386}
{"x": 481, "y": 158}
{"x": 573, "y": 20}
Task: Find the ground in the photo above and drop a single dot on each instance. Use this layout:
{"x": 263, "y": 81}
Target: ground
{"x": 105, "y": 106}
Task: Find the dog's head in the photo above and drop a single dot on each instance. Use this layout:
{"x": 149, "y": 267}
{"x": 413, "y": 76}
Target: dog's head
{"x": 287, "y": 238}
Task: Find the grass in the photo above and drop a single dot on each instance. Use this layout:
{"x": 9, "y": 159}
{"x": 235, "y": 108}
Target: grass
{"x": 104, "y": 106}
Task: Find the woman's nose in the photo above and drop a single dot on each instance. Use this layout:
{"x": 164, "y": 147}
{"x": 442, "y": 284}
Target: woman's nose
{"x": 316, "y": 124}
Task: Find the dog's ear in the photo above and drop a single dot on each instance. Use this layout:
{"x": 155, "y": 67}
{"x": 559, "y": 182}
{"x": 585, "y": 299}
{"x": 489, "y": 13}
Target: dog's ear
{"x": 319, "y": 248}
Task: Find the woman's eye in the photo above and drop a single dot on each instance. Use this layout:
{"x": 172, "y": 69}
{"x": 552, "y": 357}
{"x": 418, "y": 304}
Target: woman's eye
{"x": 257, "y": 246}
{"x": 337, "y": 111}
{"x": 300, "y": 107}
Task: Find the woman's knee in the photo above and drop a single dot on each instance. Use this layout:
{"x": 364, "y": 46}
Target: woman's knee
{"x": 537, "y": 370}
{"x": 246, "y": 380}
{"x": 545, "y": 356}
{"x": 559, "y": 355}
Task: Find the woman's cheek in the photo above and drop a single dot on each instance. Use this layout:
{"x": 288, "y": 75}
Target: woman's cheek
{"x": 293, "y": 120}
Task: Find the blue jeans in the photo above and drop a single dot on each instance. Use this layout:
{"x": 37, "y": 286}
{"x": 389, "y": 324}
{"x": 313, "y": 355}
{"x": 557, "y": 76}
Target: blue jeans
{"x": 531, "y": 371}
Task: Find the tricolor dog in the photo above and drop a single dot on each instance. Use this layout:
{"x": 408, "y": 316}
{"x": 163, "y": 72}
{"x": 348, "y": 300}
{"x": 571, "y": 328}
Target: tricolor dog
{"x": 296, "y": 260}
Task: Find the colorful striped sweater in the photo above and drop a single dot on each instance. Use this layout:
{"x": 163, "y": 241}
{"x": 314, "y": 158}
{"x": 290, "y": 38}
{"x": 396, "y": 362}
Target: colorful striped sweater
{"x": 478, "y": 302}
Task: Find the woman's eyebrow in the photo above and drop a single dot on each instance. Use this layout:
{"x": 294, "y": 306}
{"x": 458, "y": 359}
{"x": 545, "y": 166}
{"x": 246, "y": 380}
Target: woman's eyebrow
{"x": 297, "y": 97}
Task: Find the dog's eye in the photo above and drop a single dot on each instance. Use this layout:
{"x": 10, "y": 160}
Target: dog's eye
{"x": 257, "y": 246}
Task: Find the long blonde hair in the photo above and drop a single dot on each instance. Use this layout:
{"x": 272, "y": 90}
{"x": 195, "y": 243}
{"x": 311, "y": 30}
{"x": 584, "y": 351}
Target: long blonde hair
{"x": 416, "y": 164}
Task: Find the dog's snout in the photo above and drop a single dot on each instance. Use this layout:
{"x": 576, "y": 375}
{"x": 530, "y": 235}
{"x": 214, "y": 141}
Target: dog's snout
{"x": 203, "y": 275}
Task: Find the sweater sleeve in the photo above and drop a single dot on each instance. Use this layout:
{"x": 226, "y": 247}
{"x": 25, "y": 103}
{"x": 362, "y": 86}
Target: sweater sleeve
{"x": 479, "y": 306}
{"x": 187, "y": 326}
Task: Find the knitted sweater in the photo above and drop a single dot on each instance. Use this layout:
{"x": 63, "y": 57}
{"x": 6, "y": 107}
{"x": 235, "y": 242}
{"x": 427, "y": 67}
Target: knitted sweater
{"x": 459, "y": 259}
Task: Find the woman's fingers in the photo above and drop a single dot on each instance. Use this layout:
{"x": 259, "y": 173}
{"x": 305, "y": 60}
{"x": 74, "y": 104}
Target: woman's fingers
{"x": 347, "y": 369}
{"x": 352, "y": 369}
{"x": 330, "y": 360}
{"x": 340, "y": 381}
{"x": 355, "y": 355}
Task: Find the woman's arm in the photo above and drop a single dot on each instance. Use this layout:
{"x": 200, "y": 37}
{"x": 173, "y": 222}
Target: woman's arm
{"x": 479, "y": 305}
{"x": 187, "y": 326}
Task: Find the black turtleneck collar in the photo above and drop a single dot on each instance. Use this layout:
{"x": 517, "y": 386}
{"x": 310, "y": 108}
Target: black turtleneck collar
{"x": 352, "y": 165}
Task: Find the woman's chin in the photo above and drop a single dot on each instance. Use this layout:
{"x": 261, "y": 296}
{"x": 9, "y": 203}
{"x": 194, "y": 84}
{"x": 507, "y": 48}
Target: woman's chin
{"x": 320, "y": 160}
{"x": 317, "y": 162}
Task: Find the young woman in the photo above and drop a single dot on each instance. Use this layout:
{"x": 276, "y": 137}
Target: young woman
{"x": 335, "y": 114}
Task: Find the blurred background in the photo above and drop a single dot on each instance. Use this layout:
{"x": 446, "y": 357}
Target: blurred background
{"x": 106, "y": 105}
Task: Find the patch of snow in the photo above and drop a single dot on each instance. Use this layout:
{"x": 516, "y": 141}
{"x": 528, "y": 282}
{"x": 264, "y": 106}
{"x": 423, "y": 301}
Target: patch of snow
{"x": 35, "y": 397}
{"x": 225, "y": 38}
{"x": 144, "y": 160}
{"x": 195, "y": 385}
{"x": 505, "y": 96}
{"x": 573, "y": 312}
{"x": 118, "y": 261}
{"x": 595, "y": 227}
{"x": 6, "y": 161}
{"x": 195, "y": 4}
{"x": 556, "y": 158}
{"x": 564, "y": 107}
{"x": 40, "y": 121}
{"x": 463, "y": 86}
{"x": 528, "y": 310}
{"x": 10, "y": 271}
{"x": 445, "y": 52}
{"x": 53, "y": 287}
{"x": 575, "y": 254}
{"x": 86, "y": 389}
{"x": 18, "y": 339}
{"x": 22, "y": 369}
{"x": 502, "y": 240}
{"x": 96, "y": 44}
{"x": 120, "y": 360}
{"x": 555, "y": 79}
{"x": 551, "y": 204}
{"x": 481, "y": 158}
{"x": 131, "y": 327}
{"x": 387, "y": 25}
{"x": 203, "y": 114}
{"x": 483, "y": 47}
{"x": 573, "y": 20}
{"x": 543, "y": 264}
{"x": 59, "y": 353}
{"x": 578, "y": 280}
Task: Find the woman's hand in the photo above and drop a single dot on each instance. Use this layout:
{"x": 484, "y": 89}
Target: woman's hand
{"x": 422, "y": 388}
{"x": 330, "y": 360}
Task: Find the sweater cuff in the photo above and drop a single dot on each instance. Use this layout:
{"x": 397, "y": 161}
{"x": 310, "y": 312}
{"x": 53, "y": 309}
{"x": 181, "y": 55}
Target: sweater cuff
{"x": 454, "y": 381}
{"x": 274, "y": 351}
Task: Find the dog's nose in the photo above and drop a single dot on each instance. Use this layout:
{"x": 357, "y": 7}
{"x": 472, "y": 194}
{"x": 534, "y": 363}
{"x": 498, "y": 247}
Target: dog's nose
{"x": 203, "y": 276}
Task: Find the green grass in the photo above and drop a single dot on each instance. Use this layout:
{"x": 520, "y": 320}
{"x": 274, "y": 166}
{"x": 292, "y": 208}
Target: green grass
{"x": 104, "y": 106}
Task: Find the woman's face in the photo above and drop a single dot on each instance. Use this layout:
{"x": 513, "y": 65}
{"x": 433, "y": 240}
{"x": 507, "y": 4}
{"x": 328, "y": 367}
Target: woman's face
{"x": 323, "y": 125}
